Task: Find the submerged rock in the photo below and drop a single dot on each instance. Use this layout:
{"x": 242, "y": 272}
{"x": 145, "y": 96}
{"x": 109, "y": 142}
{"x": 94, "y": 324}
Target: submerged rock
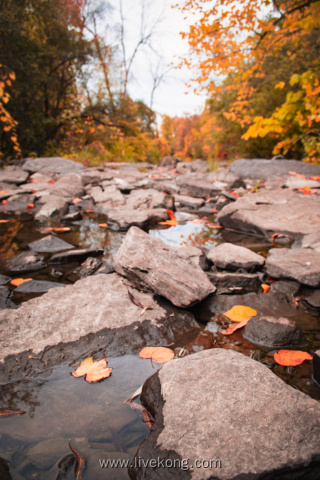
{"x": 238, "y": 414}
{"x": 147, "y": 261}
{"x": 98, "y": 303}
{"x": 274, "y": 332}
{"x": 232, "y": 257}
{"x": 25, "y": 262}
{"x": 273, "y": 211}
{"x": 50, "y": 243}
{"x": 301, "y": 264}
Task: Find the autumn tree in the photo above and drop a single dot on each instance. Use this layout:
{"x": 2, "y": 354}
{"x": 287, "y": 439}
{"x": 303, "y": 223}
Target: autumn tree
{"x": 241, "y": 39}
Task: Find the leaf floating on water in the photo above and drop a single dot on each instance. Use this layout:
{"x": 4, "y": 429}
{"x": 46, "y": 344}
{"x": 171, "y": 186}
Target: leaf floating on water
{"x": 4, "y": 412}
{"x": 102, "y": 224}
{"x": 157, "y": 354}
{"x": 291, "y": 358}
{"x": 145, "y": 415}
{"x": 136, "y": 394}
{"x": 4, "y": 221}
{"x": 138, "y": 304}
{"x": 235, "y": 326}
{"x": 172, "y": 222}
{"x": 19, "y": 281}
{"x": 80, "y": 463}
{"x": 94, "y": 371}
{"x": 239, "y": 313}
{"x": 265, "y": 287}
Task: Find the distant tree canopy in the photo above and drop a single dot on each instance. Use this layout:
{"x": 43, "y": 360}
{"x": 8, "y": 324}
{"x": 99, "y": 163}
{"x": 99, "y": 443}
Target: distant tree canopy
{"x": 259, "y": 60}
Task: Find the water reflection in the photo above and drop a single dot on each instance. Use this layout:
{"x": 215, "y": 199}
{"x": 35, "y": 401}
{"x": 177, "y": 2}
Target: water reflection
{"x": 194, "y": 234}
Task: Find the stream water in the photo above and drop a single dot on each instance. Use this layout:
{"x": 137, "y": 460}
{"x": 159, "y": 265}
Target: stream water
{"x": 93, "y": 417}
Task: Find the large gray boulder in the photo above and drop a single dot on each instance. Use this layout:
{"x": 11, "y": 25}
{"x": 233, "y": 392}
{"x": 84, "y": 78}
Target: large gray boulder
{"x": 265, "y": 169}
{"x": 169, "y": 271}
{"x": 273, "y": 211}
{"x": 95, "y": 304}
{"x": 301, "y": 264}
{"x": 232, "y": 257}
{"x": 49, "y": 165}
{"x": 236, "y": 413}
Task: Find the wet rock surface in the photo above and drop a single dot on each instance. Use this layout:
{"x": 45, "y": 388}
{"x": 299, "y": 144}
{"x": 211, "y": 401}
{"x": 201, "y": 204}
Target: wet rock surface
{"x": 5, "y": 295}
{"x": 274, "y": 332}
{"x": 25, "y": 262}
{"x": 147, "y": 261}
{"x": 76, "y": 255}
{"x": 95, "y": 304}
{"x": 49, "y": 243}
{"x": 301, "y": 264}
{"x": 231, "y": 382}
{"x": 231, "y": 257}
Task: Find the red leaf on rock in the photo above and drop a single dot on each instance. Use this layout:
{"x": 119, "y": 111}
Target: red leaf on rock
{"x": 4, "y": 412}
{"x": 4, "y": 202}
{"x": 76, "y": 200}
{"x": 291, "y": 358}
{"x": 52, "y": 182}
{"x": 298, "y": 175}
{"x": 57, "y": 229}
{"x": 235, "y": 326}
{"x": 102, "y": 224}
{"x": 30, "y": 206}
{"x": 275, "y": 235}
{"x": 80, "y": 463}
{"x": 315, "y": 178}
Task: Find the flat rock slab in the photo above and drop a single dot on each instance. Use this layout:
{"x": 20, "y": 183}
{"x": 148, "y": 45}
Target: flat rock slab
{"x": 25, "y": 262}
{"x": 52, "y": 206}
{"x": 110, "y": 197}
{"x": 37, "y": 286}
{"x": 274, "y": 332}
{"x": 49, "y": 244}
{"x": 169, "y": 271}
{"x": 227, "y": 282}
{"x": 265, "y": 169}
{"x": 269, "y": 212}
{"x": 47, "y": 165}
{"x": 75, "y": 255}
{"x": 124, "y": 219}
{"x": 312, "y": 241}
{"x": 300, "y": 264}
{"x": 13, "y": 175}
{"x": 69, "y": 186}
{"x": 232, "y": 257}
{"x": 93, "y": 304}
{"x": 236, "y": 411}
{"x": 198, "y": 188}
{"x": 149, "y": 199}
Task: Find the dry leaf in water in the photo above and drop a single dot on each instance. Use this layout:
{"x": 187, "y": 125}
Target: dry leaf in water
{"x": 4, "y": 412}
{"x": 94, "y": 371}
{"x": 57, "y": 229}
{"x": 239, "y": 313}
{"x": 4, "y": 221}
{"x": 291, "y": 358}
{"x": 235, "y": 326}
{"x": 19, "y": 281}
{"x": 158, "y": 354}
{"x": 80, "y": 463}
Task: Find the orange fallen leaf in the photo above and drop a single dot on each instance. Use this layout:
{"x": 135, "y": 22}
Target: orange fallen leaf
{"x": 298, "y": 175}
{"x": 291, "y": 358}
{"x": 94, "y": 371}
{"x": 4, "y": 202}
{"x": 315, "y": 178}
{"x": 209, "y": 200}
{"x": 234, "y": 194}
{"x": 57, "y": 229}
{"x": 52, "y": 182}
{"x": 265, "y": 287}
{"x": 4, "y": 221}
{"x": 3, "y": 192}
{"x": 212, "y": 225}
{"x": 197, "y": 220}
{"x": 77, "y": 200}
{"x": 214, "y": 210}
{"x": 171, "y": 214}
{"x": 275, "y": 235}
{"x": 158, "y": 354}
{"x": 239, "y": 313}
{"x": 19, "y": 281}
{"x": 30, "y": 206}
{"x": 102, "y": 224}
{"x": 171, "y": 223}
{"x": 306, "y": 190}
{"x": 4, "y": 412}
{"x": 235, "y": 326}
{"x": 80, "y": 463}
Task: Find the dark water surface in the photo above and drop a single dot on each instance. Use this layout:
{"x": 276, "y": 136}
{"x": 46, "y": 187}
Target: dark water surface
{"x": 93, "y": 417}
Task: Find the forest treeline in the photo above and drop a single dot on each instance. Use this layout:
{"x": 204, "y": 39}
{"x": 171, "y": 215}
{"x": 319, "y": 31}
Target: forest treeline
{"x": 64, "y": 90}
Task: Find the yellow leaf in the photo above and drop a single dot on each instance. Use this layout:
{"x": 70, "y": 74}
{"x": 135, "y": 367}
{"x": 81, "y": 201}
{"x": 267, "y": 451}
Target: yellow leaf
{"x": 280, "y": 85}
{"x": 239, "y": 313}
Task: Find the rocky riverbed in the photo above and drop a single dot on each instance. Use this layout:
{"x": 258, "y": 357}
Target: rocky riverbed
{"x": 105, "y": 261}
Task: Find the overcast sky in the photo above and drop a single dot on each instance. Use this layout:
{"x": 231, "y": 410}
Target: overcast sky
{"x": 170, "y": 97}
